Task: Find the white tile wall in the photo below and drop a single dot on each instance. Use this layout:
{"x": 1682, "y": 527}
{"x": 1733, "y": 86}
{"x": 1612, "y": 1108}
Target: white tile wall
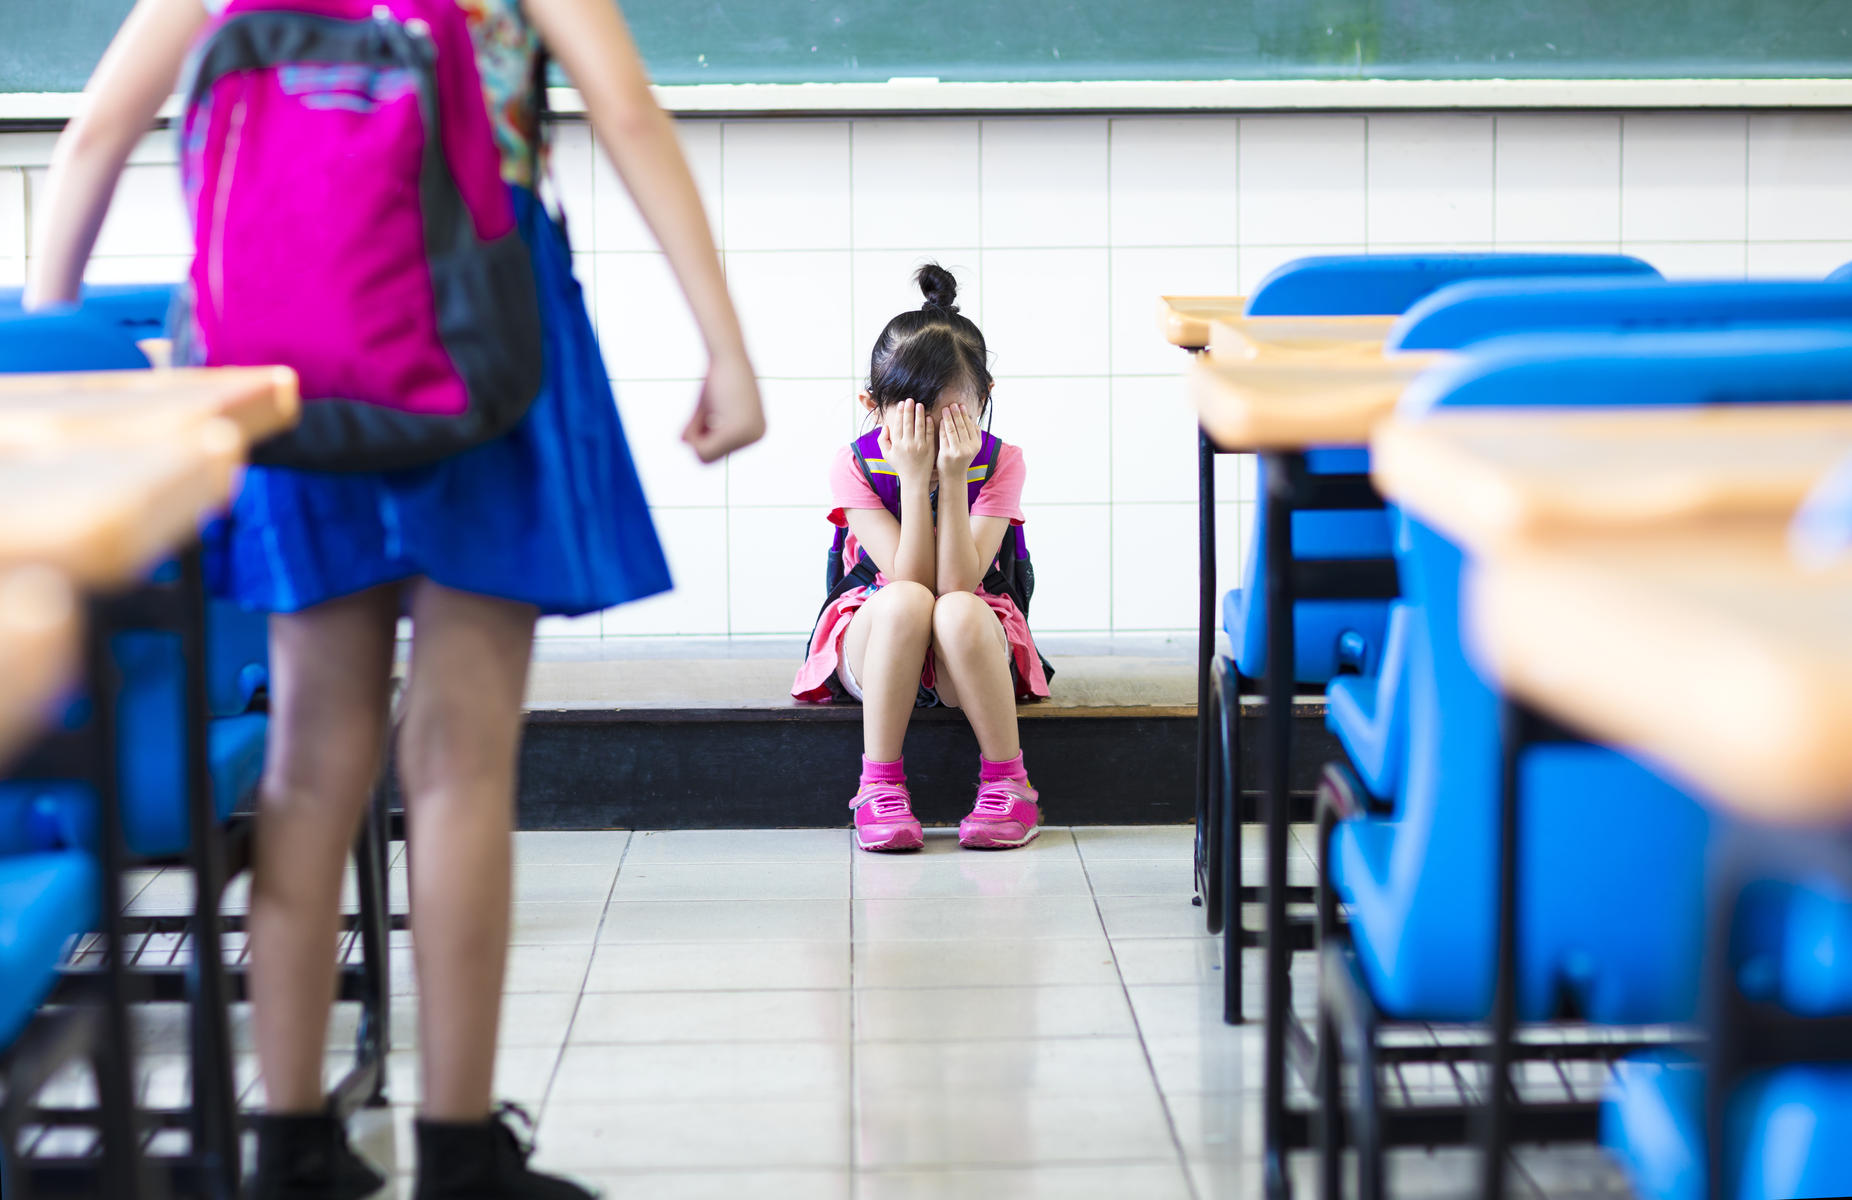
{"x": 786, "y": 185}
{"x": 1557, "y": 179}
{"x": 1683, "y": 177}
{"x": 1302, "y": 180}
{"x": 915, "y": 183}
{"x": 1430, "y": 180}
{"x": 1044, "y": 182}
{"x": 1062, "y": 232}
{"x": 12, "y": 227}
{"x": 1174, "y": 182}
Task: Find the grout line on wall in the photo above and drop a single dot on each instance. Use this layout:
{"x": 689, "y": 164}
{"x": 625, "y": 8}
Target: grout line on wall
{"x": 1620, "y": 185}
{"x": 1112, "y": 339}
{"x": 1366, "y": 184}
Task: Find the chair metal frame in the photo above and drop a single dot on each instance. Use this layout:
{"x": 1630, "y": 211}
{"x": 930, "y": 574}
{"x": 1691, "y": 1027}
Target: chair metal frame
{"x": 216, "y": 853}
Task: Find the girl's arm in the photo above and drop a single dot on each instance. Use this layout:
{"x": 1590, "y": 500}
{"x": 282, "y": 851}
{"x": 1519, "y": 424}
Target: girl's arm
{"x": 591, "y": 40}
{"x": 903, "y": 549}
{"x": 966, "y": 547}
{"x": 900, "y": 549}
{"x": 967, "y": 544}
{"x": 119, "y": 105}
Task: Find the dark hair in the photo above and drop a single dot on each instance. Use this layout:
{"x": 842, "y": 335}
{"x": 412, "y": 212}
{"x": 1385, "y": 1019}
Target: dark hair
{"x": 927, "y": 349}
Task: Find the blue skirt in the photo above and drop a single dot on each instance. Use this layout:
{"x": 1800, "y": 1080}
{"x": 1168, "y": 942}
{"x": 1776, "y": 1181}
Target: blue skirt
{"x": 551, "y": 513}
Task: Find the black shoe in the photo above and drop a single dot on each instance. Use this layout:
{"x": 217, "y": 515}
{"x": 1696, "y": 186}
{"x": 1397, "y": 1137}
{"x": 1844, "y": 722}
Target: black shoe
{"x": 485, "y": 1160}
{"x": 308, "y": 1158}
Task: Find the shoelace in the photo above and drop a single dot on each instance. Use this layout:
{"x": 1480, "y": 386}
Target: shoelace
{"x": 996, "y": 797}
{"x": 506, "y": 1114}
{"x": 889, "y": 801}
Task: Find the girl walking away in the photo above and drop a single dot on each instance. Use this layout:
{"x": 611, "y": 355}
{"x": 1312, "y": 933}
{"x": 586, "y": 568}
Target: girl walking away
{"x": 486, "y": 480}
{"x": 929, "y": 577}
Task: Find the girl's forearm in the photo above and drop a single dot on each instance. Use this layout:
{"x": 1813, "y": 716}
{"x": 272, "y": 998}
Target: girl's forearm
{"x": 84, "y": 167}
{"x": 119, "y": 105}
{"x": 913, "y": 558}
{"x": 959, "y": 570}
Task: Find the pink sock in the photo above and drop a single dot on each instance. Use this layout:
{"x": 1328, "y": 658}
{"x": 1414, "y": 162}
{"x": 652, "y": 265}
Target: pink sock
{"x": 1009, "y": 768}
{"x": 883, "y": 772}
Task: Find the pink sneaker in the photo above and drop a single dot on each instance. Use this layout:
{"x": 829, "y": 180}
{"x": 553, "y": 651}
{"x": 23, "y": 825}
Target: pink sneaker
{"x": 1004, "y": 817}
{"x": 884, "y": 818}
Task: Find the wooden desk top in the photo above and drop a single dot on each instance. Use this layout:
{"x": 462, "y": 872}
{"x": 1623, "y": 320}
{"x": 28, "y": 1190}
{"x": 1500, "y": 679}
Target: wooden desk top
{"x": 38, "y": 411}
{"x": 1294, "y": 405}
{"x": 1491, "y": 478}
{"x": 1298, "y": 339}
{"x": 1184, "y": 320}
{"x": 39, "y": 651}
{"x": 106, "y": 512}
{"x": 1705, "y": 649}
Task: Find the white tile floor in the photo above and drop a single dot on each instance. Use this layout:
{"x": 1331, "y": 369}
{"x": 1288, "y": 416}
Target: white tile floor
{"x": 768, "y": 1014}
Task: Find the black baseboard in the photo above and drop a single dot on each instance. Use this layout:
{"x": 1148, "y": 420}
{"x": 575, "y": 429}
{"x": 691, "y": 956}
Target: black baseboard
{"x": 721, "y": 769}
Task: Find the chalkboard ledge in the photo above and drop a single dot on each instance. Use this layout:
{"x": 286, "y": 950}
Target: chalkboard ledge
{"x": 927, "y": 96}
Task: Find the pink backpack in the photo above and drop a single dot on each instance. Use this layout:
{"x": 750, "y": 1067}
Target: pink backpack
{"x": 350, "y": 221}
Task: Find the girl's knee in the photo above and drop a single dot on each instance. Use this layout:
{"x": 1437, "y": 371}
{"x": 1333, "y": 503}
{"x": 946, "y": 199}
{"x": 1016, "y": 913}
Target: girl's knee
{"x": 904, "y": 601}
{"x": 961, "y": 620}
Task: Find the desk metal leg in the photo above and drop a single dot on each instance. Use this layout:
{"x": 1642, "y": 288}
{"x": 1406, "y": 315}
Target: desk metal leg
{"x": 1514, "y": 731}
{"x": 1275, "y": 772}
{"x": 215, "y": 1098}
{"x": 115, "y": 1060}
{"x": 1206, "y": 850}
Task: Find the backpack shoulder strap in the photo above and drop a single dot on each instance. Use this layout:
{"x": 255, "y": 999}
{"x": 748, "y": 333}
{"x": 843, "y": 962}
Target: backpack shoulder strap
{"x": 875, "y": 469}
{"x": 984, "y": 465}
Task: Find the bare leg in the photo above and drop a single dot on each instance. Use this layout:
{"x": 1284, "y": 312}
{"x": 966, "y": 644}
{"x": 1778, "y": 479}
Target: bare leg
{"x": 973, "y": 657}
{"x": 457, "y": 750}
{"x": 885, "y": 645}
{"x": 329, "y": 672}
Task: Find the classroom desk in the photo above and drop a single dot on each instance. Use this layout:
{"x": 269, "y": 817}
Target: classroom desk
{"x": 1291, "y": 406}
{"x": 1184, "y": 320}
{"x": 39, "y": 651}
{"x": 137, "y": 406}
{"x": 106, "y": 512}
{"x": 1493, "y": 478}
{"x": 1281, "y": 408}
{"x": 1706, "y": 649}
{"x": 1298, "y": 339}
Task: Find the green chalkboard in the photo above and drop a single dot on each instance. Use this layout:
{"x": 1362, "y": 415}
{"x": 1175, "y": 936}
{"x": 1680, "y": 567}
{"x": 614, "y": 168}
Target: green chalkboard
{"x": 49, "y": 45}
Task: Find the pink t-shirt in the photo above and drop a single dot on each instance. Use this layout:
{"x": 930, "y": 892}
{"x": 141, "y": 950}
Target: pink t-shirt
{"x": 1001, "y": 495}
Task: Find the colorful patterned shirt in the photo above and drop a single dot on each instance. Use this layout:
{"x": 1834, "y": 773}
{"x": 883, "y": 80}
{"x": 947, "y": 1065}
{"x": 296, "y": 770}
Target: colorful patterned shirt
{"x": 506, "y": 50}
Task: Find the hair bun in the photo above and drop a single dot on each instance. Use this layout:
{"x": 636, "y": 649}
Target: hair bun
{"x": 938, "y": 286}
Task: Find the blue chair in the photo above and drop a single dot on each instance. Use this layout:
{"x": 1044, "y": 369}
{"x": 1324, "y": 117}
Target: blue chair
{"x": 138, "y": 310}
{"x": 47, "y": 898}
{"x": 1786, "y": 1126}
{"x": 1420, "y": 883}
{"x": 1750, "y": 1121}
{"x": 1461, "y": 315}
{"x": 1334, "y": 634}
{"x": 35, "y": 343}
{"x": 1457, "y": 316}
{"x": 1343, "y": 285}
{"x": 1841, "y": 275}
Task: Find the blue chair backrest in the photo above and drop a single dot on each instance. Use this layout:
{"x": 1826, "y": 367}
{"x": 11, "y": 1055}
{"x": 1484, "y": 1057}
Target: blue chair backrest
{"x": 1365, "y": 284}
{"x": 64, "y": 341}
{"x": 1842, "y": 275}
{"x": 1447, "y": 805}
{"x": 1351, "y": 285}
{"x": 1743, "y": 366}
{"x": 138, "y": 309}
{"x": 1462, "y": 314}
